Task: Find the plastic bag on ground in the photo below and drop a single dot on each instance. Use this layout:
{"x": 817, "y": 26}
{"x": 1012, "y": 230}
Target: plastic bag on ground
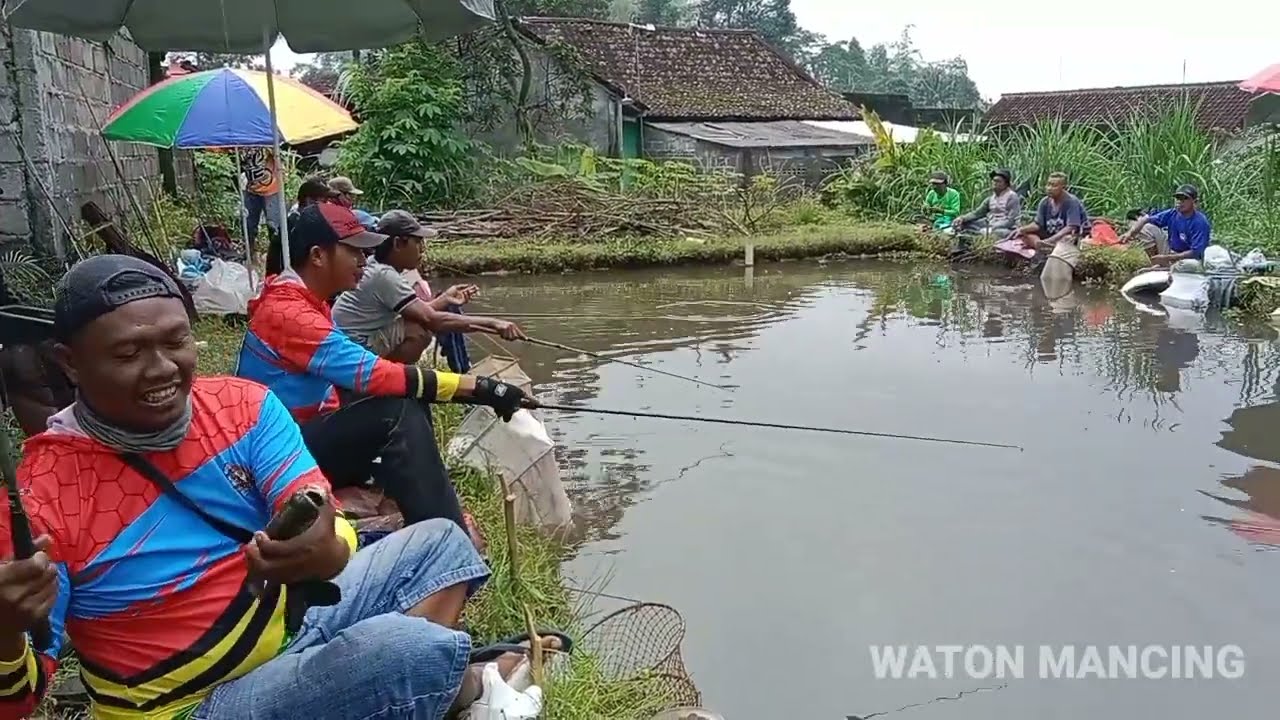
{"x": 223, "y": 290}
{"x": 1256, "y": 260}
{"x": 1217, "y": 257}
{"x": 520, "y": 450}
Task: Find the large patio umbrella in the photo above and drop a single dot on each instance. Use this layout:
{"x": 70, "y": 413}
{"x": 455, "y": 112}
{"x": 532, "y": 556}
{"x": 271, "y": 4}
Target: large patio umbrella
{"x": 244, "y": 26}
{"x": 1267, "y": 81}
{"x": 1265, "y": 108}
{"x": 226, "y": 108}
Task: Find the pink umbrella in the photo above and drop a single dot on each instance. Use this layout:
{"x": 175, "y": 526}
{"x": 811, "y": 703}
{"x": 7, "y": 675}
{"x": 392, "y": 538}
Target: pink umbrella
{"x": 1267, "y": 81}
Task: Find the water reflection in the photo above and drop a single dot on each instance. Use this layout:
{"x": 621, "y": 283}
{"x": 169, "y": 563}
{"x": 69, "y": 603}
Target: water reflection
{"x": 693, "y": 326}
{"x": 1123, "y": 522}
{"x": 700, "y": 323}
{"x": 1259, "y": 520}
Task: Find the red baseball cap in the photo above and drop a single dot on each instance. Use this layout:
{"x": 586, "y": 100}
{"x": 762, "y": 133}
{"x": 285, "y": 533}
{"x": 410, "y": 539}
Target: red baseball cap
{"x": 326, "y": 225}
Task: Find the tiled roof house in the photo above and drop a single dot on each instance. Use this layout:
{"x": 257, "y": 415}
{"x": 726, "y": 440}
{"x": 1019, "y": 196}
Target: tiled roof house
{"x": 1220, "y": 106}
{"x": 723, "y": 97}
{"x": 694, "y": 74}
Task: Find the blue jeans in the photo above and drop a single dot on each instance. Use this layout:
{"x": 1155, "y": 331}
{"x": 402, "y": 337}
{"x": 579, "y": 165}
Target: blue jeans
{"x": 363, "y": 658}
{"x": 255, "y": 206}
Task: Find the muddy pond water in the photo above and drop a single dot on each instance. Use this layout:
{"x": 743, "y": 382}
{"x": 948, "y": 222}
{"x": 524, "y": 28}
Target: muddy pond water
{"x": 1140, "y": 514}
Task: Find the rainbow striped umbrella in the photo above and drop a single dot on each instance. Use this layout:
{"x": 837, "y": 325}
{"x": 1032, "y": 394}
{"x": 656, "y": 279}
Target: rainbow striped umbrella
{"x": 226, "y": 108}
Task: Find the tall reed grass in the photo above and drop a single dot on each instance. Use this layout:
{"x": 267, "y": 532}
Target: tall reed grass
{"x": 1114, "y": 169}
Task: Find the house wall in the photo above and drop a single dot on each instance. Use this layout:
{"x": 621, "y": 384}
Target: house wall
{"x": 55, "y": 92}
{"x": 599, "y": 127}
{"x": 810, "y": 165}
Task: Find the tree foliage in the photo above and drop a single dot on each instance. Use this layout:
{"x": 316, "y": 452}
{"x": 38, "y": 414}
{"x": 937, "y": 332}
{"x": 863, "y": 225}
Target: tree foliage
{"x": 503, "y": 81}
{"x": 773, "y": 19}
{"x": 407, "y": 151}
{"x": 844, "y": 65}
{"x": 322, "y": 72}
{"x": 664, "y": 12}
{"x": 211, "y": 61}
{"x": 899, "y": 68}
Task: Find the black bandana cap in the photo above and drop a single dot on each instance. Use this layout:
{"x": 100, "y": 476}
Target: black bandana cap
{"x": 102, "y": 284}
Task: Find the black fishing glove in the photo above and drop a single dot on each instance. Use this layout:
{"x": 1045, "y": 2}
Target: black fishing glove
{"x": 503, "y": 398}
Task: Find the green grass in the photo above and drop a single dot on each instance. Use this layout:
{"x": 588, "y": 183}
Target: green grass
{"x": 1112, "y": 265}
{"x": 528, "y": 256}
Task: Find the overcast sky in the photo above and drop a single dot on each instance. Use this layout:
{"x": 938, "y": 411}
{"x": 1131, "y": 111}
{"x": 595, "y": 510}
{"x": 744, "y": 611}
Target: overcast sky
{"x": 1019, "y": 46}
{"x": 1012, "y": 46}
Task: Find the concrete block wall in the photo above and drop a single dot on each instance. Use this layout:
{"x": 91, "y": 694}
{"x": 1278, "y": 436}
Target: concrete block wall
{"x": 55, "y": 93}
{"x": 663, "y": 145}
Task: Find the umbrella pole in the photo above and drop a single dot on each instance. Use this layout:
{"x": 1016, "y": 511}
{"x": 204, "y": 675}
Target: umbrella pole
{"x": 244, "y": 221}
{"x": 275, "y": 133}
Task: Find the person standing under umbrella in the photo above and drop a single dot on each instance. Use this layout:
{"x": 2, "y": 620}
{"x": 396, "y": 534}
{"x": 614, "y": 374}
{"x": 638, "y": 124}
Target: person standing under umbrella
{"x": 261, "y": 189}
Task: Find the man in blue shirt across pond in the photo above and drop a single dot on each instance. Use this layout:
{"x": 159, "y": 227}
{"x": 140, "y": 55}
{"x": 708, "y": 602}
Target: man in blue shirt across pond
{"x": 1186, "y": 230}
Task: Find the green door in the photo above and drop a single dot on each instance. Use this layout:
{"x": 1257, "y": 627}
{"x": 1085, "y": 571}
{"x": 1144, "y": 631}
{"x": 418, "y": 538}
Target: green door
{"x": 631, "y": 148}
{"x": 630, "y": 139}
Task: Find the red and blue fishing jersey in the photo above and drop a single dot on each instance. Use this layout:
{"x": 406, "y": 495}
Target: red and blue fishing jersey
{"x": 293, "y": 347}
{"x": 155, "y": 599}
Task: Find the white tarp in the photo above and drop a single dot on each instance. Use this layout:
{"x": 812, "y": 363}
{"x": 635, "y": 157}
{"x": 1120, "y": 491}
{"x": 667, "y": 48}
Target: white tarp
{"x": 900, "y": 133}
{"x": 520, "y": 450}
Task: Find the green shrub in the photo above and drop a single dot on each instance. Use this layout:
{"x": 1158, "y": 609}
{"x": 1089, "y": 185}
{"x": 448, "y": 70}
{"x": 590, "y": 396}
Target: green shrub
{"x": 407, "y": 151}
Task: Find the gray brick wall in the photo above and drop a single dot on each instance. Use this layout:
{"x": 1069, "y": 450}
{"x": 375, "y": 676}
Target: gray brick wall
{"x": 55, "y": 92}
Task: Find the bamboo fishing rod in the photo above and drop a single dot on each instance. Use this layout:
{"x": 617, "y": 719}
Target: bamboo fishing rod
{"x": 533, "y": 404}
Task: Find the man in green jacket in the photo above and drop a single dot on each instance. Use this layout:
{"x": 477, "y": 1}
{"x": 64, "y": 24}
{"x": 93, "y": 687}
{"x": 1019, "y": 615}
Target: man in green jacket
{"x": 941, "y": 203}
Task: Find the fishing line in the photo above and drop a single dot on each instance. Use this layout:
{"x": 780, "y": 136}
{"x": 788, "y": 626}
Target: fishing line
{"x": 532, "y": 404}
{"x": 628, "y": 363}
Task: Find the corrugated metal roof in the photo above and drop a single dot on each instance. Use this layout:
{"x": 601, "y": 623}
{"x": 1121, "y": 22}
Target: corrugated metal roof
{"x": 769, "y": 133}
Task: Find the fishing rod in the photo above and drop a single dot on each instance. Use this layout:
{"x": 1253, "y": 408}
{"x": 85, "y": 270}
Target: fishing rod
{"x": 628, "y": 363}
{"x": 532, "y": 404}
{"x": 595, "y": 355}
{"x": 24, "y": 547}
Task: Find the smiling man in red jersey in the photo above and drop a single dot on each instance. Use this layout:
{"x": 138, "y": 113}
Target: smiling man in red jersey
{"x": 293, "y": 347}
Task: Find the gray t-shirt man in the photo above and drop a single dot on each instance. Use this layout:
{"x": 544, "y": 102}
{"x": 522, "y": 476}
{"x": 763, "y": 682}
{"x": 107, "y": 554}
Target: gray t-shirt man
{"x": 1051, "y": 219}
{"x": 370, "y": 314}
{"x": 1001, "y": 212}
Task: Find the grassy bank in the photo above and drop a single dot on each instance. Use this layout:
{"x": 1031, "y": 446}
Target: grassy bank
{"x": 1098, "y": 264}
{"x": 582, "y": 691}
{"x": 528, "y": 256}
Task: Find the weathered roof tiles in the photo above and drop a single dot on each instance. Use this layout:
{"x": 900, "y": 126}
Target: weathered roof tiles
{"x": 694, "y": 74}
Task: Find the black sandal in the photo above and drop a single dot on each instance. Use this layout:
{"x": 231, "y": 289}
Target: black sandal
{"x": 493, "y": 651}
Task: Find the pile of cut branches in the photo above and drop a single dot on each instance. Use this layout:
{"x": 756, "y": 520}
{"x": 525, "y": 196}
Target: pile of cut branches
{"x": 570, "y": 209}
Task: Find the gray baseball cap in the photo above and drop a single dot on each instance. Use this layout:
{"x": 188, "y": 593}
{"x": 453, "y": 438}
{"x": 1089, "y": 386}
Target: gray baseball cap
{"x": 401, "y": 223}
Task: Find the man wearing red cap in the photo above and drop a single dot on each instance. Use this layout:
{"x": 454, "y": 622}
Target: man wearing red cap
{"x": 293, "y": 347}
